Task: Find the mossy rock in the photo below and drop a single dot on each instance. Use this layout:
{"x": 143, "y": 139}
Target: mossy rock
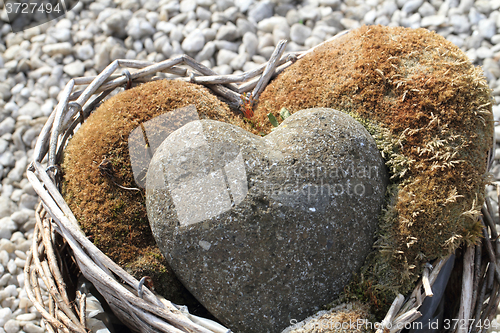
{"x": 429, "y": 110}
{"x": 115, "y": 218}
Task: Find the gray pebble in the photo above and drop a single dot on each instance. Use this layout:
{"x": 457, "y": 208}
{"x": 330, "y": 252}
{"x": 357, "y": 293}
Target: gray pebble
{"x": 7, "y": 126}
{"x": 194, "y": 42}
{"x": 433, "y": 20}
{"x": 58, "y": 48}
{"x": 268, "y": 24}
{"x": 32, "y": 328}
{"x": 475, "y": 16}
{"x": 207, "y": 52}
{"x": 239, "y": 61}
{"x": 251, "y": 43}
{"x": 28, "y": 201}
{"x": 138, "y": 28}
{"x": 203, "y": 14}
{"x": 426, "y": 9}
{"x": 7, "y": 159}
{"x": 260, "y": 11}
{"x": 299, "y": 33}
{"x": 487, "y": 28}
{"x": 74, "y": 69}
{"x": 309, "y": 13}
{"x": 484, "y": 52}
{"x": 223, "y": 69}
{"x": 12, "y": 326}
{"x": 165, "y": 27}
{"x": 225, "y": 56}
{"x": 460, "y": 24}
{"x": 227, "y": 32}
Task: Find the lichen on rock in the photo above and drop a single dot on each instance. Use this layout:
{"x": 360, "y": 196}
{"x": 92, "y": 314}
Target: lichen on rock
{"x": 431, "y": 110}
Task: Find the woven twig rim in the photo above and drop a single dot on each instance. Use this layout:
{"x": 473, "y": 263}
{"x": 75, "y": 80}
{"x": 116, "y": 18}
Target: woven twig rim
{"x": 133, "y": 303}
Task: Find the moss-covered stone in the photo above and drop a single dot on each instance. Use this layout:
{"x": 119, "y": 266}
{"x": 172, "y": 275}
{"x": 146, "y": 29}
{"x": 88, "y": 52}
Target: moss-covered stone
{"x": 115, "y": 218}
{"x": 429, "y": 109}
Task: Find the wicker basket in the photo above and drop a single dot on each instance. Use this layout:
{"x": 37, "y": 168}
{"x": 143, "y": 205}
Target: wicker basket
{"x": 60, "y": 249}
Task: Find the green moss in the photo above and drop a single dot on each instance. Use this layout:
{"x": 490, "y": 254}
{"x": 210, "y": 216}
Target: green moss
{"x": 112, "y": 217}
{"x": 429, "y": 110}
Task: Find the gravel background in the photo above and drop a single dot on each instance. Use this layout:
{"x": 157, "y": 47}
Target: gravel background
{"x": 229, "y": 36}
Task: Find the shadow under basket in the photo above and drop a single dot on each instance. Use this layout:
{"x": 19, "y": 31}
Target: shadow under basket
{"x": 61, "y": 252}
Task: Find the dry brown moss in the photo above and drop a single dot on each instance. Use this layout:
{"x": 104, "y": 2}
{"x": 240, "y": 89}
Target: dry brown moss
{"x": 430, "y": 110}
{"x": 114, "y": 218}
{"x": 345, "y": 318}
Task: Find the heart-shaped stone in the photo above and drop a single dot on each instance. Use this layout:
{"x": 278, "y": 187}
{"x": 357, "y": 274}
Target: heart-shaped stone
{"x": 264, "y": 230}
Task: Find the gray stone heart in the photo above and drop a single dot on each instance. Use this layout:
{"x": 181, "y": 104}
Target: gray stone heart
{"x": 264, "y": 230}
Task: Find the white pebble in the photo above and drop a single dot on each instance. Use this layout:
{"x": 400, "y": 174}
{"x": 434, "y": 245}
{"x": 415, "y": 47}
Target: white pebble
{"x": 26, "y": 317}
{"x": 433, "y": 20}
{"x": 5, "y": 315}
{"x": 194, "y": 42}
{"x": 20, "y": 263}
{"x": 12, "y": 267}
{"x": 4, "y": 280}
{"x": 12, "y": 326}
{"x": 7, "y": 245}
{"x": 32, "y": 328}
{"x": 299, "y": 33}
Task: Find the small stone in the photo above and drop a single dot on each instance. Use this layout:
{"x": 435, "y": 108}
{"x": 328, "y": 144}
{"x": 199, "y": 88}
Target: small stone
{"x": 84, "y": 52}
{"x": 483, "y": 6}
{"x": 239, "y": 61}
{"x": 350, "y": 23}
{"x": 484, "y": 52}
{"x": 207, "y": 52}
{"x": 31, "y": 109}
{"x": 251, "y": 42}
{"x": 5, "y": 93}
{"x": 11, "y": 265}
{"x": 224, "y": 57}
{"x": 139, "y": 27}
{"x": 460, "y": 24}
{"x": 5, "y": 315}
{"x": 187, "y": 6}
{"x": 6, "y": 205}
{"x": 260, "y": 11}
{"x": 32, "y": 328}
{"x": 194, "y": 42}
{"x": 7, "y": 126}
{"x": 62, "y": 35}
{"x": 433, "y": 20}
{"x": 58, "y": 48}
{"x": 299, "y": 33}
{"x": 331, "y": 3}
{"x": 219, "y": 232}
{"x": 12, "y": 326}
{"x": 426, "y": 9}
{"x": 101, "y": 58}
{"x": 28, "y": 201}
{"x": 487, "y": 28}
{"x": 475, "y": 16}
{"x": 75, "y": 69}
{"x": 268, "y": 24}
{"x": 411, "y": 6}
{"x": 165, "y": 27}
{"x": 227, "y": 32}
{"x": 117, "y": 52}
{"x": 7, "y": 245}
{"x": 309, "y": 13}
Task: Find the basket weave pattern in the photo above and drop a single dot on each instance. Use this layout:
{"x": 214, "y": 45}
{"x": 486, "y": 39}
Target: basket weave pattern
{"x": 59, "y": 244}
